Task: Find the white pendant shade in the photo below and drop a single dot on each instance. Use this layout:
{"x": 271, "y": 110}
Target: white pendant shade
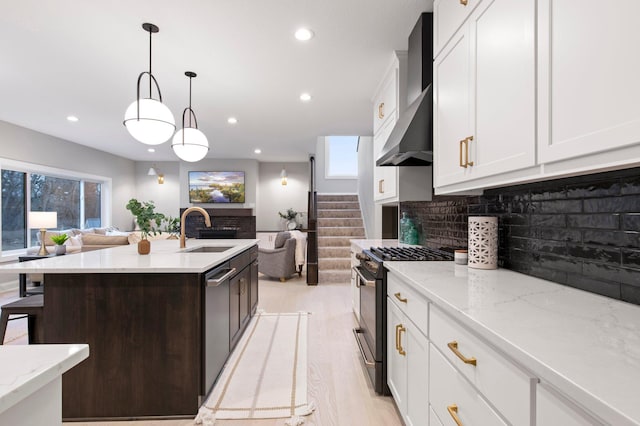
{"x": 193, "y": 147}
{"x": 155, "y": 125}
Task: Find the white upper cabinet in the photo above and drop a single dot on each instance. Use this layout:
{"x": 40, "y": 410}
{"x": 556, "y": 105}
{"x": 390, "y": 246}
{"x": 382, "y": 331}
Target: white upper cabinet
{"x": 385, "y": 105}
{"x": 448, "y": 16}
{"x": 484, "y": 96}
{"x": 589, "y": 90}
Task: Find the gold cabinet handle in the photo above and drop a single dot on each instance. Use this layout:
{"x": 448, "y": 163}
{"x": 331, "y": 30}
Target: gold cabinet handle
{"x": 381, "y": 110}
{"x": 454, "y": 348}
{"x": 453, "y": 412}
{"x": 400, "y": 349}
{"x": 400, "y": 298}
{"x": 397, "y": 332}
{"x": 463, "y": 2}
{"x": 467, "y": 140}
{"x": 462, "y": 163}
{"x": 381, "y": 186}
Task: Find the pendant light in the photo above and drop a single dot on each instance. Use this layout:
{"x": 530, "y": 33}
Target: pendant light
{"x": 148, "y": 120}
{"x": 283, "y": 177}
{"x": 189, "y": 143}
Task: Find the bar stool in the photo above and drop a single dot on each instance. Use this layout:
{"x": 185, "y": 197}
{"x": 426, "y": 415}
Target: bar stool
{"x": 32, "y": 306}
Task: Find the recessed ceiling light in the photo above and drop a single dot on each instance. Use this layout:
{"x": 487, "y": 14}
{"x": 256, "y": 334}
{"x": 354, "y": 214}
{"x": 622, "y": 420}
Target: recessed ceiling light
{"x": 72, "y": 118}
{"x": 304, "y": 34}
{"x": 305, "y": 97}
{"x": 232, "y": 120}
{"x": 151, "y": 150}
{"x": 257, "y": 150}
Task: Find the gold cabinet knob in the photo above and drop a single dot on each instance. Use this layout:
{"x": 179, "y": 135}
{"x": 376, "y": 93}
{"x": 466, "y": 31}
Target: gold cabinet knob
{"x": 381, "y": 110}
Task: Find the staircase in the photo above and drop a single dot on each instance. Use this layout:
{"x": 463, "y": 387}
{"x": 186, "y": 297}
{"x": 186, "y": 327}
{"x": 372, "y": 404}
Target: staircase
{"x": 339, "y": 220}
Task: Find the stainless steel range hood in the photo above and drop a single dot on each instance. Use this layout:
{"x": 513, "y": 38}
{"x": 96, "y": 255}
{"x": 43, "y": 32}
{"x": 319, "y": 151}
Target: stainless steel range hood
{"x": 411, "y": 140}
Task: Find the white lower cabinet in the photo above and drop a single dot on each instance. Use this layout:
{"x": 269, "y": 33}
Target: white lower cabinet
{"x": 453, "y": 370}
{"x": 407, "y": 366}
{"x": 453, "y": 399}
{"x": 553, "y": 409}
{"x": 502, "y": 382}
{"x": 433, "y": 418}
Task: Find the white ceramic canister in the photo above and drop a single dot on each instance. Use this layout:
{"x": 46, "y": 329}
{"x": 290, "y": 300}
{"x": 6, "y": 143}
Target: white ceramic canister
{"x": 460, "y": 257}
{"x": 483, "y": 242}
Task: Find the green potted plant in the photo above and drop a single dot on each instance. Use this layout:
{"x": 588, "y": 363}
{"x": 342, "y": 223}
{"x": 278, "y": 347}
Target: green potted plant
{"x": 148, "y": 221}
{"x": 290, "y": 216}
{"x": 172, "y": 226}
{"x": 59, "y": 241}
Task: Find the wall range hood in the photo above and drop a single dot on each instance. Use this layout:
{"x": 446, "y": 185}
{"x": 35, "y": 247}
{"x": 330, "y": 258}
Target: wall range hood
{"x": 411, "y": 140}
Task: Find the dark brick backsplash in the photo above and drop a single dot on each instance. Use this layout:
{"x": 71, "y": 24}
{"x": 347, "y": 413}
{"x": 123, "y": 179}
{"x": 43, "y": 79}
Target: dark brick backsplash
{"x": 582, "y": 232}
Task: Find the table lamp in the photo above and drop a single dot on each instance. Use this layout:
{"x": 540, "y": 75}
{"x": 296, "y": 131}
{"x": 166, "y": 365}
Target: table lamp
{"x": 43, "y": 220}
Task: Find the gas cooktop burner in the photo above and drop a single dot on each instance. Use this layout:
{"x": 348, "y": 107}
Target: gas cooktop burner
{"x": 410, "y": 253}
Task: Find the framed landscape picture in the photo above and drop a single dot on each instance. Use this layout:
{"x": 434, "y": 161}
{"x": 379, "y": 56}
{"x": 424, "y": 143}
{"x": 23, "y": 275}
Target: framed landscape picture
{"x": 216, "y": 187}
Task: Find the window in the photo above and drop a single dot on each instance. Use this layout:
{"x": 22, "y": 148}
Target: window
{"x": 341, "y": 157}
{"x": 77, "y": 201}
{"x": 14, "y": 212}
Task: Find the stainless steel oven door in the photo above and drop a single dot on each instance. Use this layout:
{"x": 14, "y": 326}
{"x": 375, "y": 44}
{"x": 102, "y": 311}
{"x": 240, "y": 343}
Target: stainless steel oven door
{"x": 368, "y": 309}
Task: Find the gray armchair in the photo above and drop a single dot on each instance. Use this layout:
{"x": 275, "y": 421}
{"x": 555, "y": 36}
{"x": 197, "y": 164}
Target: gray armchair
{"x": 281, "y": 260}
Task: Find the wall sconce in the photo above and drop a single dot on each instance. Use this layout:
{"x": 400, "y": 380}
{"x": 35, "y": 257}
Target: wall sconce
{"x": 283, "y": 177}
{"x": 154, "y": 171}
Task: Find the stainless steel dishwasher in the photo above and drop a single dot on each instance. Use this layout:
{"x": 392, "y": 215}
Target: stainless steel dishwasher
{"x": 216, "y": 323}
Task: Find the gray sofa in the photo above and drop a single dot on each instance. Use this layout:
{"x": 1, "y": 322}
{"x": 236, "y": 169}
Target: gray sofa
{"x": 280, "y": 261}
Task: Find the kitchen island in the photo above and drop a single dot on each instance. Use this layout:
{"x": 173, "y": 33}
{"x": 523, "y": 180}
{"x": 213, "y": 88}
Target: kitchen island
{"x": 160, "y": 326}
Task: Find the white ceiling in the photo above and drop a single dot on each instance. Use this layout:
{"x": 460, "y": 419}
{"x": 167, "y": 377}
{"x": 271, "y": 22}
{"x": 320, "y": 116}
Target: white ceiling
{"x": 79, "y": 57}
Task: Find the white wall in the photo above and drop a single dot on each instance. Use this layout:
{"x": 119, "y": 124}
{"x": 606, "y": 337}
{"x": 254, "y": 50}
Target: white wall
{"x": 330, "y": 186}
{"x": 166, "y": 197}
{"x": 273, "y": 197}
{"x": 21, "y": 144}
{"x": 365, "y": 184}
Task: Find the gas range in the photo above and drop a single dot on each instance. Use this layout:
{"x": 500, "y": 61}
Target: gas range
{"x": 372, "y": 259}
{"x": 372, "y": 284}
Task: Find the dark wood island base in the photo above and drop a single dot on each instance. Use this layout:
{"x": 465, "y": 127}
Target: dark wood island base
{"x": 148, "y": 335}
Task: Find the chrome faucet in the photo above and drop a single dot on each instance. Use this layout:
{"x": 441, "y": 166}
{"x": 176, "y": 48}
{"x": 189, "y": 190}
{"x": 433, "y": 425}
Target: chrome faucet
{"x": 207, "y": 221}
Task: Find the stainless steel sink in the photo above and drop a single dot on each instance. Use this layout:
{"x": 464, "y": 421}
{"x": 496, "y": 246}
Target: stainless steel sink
{"x": 208, "y": 249}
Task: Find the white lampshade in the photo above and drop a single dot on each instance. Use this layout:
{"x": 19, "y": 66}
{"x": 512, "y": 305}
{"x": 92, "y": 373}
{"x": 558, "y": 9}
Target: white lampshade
{"x": 156, "y": 123}
{"x": 193, "y": 147}
{"x": 40, "y": 220}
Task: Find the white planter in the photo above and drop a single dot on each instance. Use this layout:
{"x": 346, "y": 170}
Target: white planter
{"x": 483, "y": 242}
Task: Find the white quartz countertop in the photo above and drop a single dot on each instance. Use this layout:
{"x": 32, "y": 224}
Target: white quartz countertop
{"x": 24, "y": 369}
{"x": 367, "y": 244}
{"x": 586, "y": 345}
{"x": 166, "y": 257}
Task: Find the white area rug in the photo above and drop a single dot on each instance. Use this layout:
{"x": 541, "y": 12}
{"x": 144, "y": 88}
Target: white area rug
{"x": 266, "y": 375}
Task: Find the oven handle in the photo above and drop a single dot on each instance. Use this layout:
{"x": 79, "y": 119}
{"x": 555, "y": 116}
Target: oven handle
{"x": 369, "y": 283}
{"x": 356, "y": 332}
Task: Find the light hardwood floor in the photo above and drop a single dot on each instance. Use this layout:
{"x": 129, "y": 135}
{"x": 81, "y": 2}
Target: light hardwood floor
{"x": 337, "y": 382}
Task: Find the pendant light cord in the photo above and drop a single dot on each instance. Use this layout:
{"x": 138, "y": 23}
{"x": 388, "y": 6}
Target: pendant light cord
{"x": 190, "y": 78}
{"x": 150, "y": 94}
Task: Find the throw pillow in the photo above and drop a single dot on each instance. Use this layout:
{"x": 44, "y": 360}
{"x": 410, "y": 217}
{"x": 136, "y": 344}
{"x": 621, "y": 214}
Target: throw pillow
{"x": 96, "y": 239}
